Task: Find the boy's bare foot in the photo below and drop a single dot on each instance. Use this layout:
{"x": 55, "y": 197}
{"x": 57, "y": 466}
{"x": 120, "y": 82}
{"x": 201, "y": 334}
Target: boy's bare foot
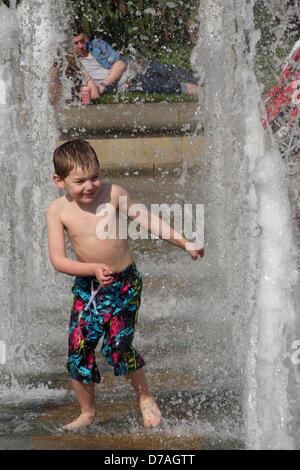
{"x": 151, "y": 413}
{"x": 84, "y": 420}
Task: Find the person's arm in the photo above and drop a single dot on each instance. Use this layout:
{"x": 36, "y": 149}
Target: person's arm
{"x": 92, "y": 86}
{"x": 115, "y": 73}
{"x": 58, "y": 256}
{"x": 157, "y": 226}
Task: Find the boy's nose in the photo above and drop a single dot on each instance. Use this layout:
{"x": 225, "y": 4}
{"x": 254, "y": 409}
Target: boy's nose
{"x": 89, "y": 185}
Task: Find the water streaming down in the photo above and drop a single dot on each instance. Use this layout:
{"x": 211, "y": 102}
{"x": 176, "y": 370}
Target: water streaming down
{"x": 28, "y": 135}
{"x": 238, "y": 307}
{"x": 251, "y": 221}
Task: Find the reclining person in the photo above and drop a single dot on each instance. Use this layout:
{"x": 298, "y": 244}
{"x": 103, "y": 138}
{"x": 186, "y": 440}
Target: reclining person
{"x": 106, "y": 71}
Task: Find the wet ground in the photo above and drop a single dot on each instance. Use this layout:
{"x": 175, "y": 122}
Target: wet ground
{"x": 193, "y": 419}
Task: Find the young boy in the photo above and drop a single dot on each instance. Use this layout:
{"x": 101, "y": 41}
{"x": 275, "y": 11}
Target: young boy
{"x": 108, "y": 286}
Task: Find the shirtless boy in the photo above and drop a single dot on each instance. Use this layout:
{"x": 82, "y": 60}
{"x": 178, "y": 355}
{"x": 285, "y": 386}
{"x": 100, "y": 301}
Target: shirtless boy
{"x": 107, "y": 286}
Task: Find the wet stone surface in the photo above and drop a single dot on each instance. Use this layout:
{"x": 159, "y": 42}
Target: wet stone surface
{"x": 193, "y": 420}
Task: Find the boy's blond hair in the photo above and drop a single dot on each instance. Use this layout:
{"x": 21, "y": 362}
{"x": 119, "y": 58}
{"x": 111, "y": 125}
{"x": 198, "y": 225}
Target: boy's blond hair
{"x": 71, "y": 154}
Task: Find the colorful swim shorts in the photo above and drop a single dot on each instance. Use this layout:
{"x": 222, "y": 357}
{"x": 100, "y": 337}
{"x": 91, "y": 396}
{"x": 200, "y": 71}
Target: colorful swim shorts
{"x": 109, "y": 312}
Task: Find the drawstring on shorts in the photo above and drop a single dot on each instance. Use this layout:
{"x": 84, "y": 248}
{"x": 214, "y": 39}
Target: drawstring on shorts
{"x": 94, "y": 292}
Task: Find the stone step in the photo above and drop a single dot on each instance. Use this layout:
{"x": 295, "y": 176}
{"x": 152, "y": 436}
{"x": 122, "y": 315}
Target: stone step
{"x": 129, "y": 118}
{"x": 152, "y": 153}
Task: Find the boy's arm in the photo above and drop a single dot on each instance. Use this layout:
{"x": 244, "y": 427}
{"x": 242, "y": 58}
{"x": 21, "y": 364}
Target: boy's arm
{"x": 58, "y": 256}
{"x": 156, "y": 225}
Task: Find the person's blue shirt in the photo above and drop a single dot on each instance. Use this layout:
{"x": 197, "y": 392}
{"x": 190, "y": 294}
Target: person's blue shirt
{"x": 104, "y": 53}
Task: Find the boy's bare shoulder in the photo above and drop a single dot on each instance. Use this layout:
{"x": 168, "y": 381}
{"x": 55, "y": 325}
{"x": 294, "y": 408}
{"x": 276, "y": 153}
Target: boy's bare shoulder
{"x": 56, "y": 206}
{"x": 118, "y": 190}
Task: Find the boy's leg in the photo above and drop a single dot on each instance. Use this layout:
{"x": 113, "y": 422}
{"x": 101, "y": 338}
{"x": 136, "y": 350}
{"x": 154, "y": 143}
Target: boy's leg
{"x": 85, "y": 394}
{"x": 84, "y": 334}
{"x": 118, "y": 350}
{"x": 150, "y": 411}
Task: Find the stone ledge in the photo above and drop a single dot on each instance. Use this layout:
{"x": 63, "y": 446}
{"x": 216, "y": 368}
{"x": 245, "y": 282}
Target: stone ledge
{"x": 129, "y": 118}
{"x": 148, "y": 152}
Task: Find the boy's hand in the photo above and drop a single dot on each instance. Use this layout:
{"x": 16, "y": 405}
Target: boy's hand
{"x": 195, "y": 254}
{"x": 103, "y": 274}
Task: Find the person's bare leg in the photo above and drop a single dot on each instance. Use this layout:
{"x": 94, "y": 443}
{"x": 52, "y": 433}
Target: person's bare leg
{"x": 150, "y": 411}
{"x": 86, "y": 396}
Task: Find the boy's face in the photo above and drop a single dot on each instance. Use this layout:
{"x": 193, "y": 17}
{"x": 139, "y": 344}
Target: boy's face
{"x": 83, "y": 186}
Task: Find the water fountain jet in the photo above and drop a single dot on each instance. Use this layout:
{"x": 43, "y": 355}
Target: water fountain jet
{"x": 245, "y": 315}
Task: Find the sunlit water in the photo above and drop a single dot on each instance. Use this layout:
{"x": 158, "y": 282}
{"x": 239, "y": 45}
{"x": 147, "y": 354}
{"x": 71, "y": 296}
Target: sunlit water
{"x": 252, "y": 222}
{"x": 225, "y": 323}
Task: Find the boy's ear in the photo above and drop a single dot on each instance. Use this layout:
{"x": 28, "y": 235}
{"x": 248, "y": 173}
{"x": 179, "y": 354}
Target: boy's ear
{"x": 58, "y": 181}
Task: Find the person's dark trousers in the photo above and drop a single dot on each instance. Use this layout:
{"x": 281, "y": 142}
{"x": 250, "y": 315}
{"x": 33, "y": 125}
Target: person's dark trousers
{"x": 162, "y": 78}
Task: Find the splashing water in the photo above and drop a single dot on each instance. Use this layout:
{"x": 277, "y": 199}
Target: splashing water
{"x": 243, "y": 339}
{"x": 251, "y": 221}
{"x": 27, "y": 137}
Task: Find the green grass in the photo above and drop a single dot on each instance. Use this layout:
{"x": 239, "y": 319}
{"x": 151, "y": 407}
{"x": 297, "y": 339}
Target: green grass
{"x": 144, "y": 98}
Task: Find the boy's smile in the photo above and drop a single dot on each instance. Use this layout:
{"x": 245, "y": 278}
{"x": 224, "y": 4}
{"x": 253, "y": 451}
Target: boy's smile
{"x": 83, "y": 186}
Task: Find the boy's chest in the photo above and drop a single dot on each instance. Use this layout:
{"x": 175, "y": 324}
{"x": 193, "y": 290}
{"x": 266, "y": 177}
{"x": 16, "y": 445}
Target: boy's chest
{"x": 85, "y": 224}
